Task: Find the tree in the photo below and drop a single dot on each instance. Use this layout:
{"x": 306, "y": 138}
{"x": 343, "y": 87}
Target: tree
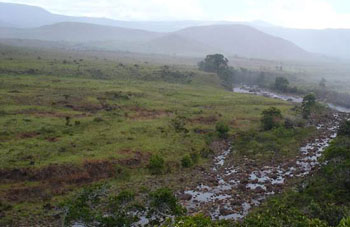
{"x": 281, "y": 84}
{"x": 217, "y": 63}
{"x": 213, "y": 63}
{"x": 271, "y": 118}
{"x": 308, "y": 103}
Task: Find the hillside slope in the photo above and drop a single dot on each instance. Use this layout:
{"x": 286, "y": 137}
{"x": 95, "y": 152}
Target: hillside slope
{"x": 244, "y": 41}
{"x": 78, "y": 32}
{"x": 331, "y": 42}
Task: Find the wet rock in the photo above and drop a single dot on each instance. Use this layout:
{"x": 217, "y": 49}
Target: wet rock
{"x": 242, "y": 187}
{"x": 236, "y": 203}
{"x": 225, "y": 212}
{"x": 259, "y": 190}
{"x": 185, "y": 197}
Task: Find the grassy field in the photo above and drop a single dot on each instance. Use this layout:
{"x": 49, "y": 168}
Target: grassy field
{"x": 67, "y": 122}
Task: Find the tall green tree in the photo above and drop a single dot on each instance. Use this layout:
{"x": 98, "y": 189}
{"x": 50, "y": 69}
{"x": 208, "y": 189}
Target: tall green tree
{"x": 214, "y": 63}
{"x": 217, "y": 63}
{"x": 281, "y": 84}
{"x": 308, "y": 103}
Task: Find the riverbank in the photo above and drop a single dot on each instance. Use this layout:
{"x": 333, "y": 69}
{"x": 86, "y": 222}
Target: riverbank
{"x": 232, "y": 187}
{"x": 253, "y": 90}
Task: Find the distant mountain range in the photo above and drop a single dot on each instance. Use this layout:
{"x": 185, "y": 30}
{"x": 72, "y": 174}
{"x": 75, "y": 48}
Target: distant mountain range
{"x": 197, "y": 41}
{"x": 190, "y": 38}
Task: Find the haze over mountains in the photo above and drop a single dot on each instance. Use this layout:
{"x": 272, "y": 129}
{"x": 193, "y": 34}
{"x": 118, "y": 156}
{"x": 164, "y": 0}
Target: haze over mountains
{"x": 186, "y": 38}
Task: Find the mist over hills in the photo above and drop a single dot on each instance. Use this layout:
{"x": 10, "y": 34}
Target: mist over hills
{"x": 78, "y": 32}
{"x": 189, "y": 38}
{"x": 231, "y": 40}
{"x": 244, "y": 41}
{"x": 331, "y": 42}
{"x": 25, "y": 16}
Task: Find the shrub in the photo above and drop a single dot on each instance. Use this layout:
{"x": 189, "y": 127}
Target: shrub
{"x": 122, "y": 198}
{"x": 344, "y": 129}
{"x": 179, "y": 123}
{"x": 271, "y": 118}
{"x": 156, "y": 164}
{"x": 281, "y": 84}
{"x": 164, "y": 200}
{"x": 288, "y": 123}
{"x": 186, "y": 161}
{"x": 308, "y": 103}
{"x": 222, "y": 129}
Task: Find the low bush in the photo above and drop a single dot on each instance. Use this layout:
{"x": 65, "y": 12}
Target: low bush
{"x": 156, "y": 164}
{"x": 222, "y": 129}
{"x": 186, "y": 161}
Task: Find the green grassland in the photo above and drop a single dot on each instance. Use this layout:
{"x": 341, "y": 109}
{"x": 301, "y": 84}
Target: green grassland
{"x": 62, "y": 116}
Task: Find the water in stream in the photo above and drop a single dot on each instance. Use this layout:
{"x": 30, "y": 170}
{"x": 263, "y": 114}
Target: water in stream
{"x": 236, "y": 189}
{"x": 292, "y": 98}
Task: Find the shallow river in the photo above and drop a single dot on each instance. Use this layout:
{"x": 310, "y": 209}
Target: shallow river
{"x": 291, "y": 98}
{"x": 232, "y": 190}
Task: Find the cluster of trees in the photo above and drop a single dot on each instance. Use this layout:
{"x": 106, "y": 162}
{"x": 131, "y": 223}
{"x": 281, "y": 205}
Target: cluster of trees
{"x": 218, "y": 64}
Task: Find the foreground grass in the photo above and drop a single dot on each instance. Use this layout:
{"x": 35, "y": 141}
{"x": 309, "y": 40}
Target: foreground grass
{"x": 66, "y": 124}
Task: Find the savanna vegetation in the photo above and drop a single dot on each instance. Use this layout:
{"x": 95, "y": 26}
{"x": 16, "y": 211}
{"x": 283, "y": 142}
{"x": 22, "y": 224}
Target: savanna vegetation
{"x": 106, "y": 143}
{"x": 320, "y": 201}
{"x": 70, "y": 122}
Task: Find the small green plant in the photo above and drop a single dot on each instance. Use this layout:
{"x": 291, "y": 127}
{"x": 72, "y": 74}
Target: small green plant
{"x": 222, "y": 129}
{"x": 156, "y": 164}
{"x": 179, "y": 123}
{"x": 165, "y": 201}
{"x": 68, "y": 121}
{"x": 186, "y": 161}
{"x": 271, "y": 118}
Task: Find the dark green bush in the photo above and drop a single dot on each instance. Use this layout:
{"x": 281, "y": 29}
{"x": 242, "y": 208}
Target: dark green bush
{"x": 179, "y": 123}
{"x": 344, "y": 129}
{"x": 186, "y": 161}
{"x": 156, "y": 164}
{"x": 271, "y": 118}
{"x": 222, "y": 129}
{"x": 164, "y": 200}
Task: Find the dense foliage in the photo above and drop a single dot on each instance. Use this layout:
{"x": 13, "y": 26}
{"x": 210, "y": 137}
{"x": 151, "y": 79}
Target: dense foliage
{"x": 271, "y": 118}
{"x": 218, "y": 64}
{"x": 309, "y": 102}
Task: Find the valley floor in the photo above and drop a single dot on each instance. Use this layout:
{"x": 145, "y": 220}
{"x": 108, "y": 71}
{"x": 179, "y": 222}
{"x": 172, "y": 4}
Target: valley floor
{"x": 98, "y": 142}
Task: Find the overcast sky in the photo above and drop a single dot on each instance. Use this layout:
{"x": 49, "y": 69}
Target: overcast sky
{"x": 289, "y": 13}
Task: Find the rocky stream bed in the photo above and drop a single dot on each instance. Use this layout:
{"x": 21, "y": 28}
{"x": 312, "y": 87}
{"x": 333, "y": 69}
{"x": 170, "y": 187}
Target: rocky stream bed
{"x": 231, "y": 188}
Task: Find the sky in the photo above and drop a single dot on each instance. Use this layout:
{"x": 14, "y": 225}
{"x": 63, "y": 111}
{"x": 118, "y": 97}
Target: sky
{"x": 316, "y": 14}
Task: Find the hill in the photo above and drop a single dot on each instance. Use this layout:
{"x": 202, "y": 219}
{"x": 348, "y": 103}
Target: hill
{"x": 231, "y": 40}
{"x": 331, "y": 42}
{"x": 78, "y": 32}
{"x": 244, "y": 41}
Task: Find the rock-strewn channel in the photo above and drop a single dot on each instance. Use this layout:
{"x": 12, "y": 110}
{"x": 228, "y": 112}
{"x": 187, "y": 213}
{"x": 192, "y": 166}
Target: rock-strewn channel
{"x": 231, "y": 188}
